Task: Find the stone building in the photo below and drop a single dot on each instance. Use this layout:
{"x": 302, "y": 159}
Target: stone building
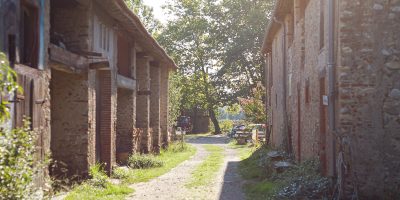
{"x": 333, "y": 84}
{"x": 95, "y": 81}
{"x": 109, "y": 85}
{"x": 24, "y": 38}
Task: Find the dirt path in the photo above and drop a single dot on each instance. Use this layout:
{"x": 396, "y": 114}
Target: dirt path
{"x": 171, "y": 186}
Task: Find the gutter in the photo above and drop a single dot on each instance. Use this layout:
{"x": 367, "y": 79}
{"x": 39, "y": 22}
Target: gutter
{"x": 332, "y": 78}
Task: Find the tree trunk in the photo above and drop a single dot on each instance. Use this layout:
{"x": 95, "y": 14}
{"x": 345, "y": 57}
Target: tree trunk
{"x": 214, "y": 120}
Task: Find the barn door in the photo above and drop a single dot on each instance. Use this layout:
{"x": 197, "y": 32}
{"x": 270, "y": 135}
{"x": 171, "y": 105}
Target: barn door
{"x": 24, "y": 101}
{"x": 29, "y": 105}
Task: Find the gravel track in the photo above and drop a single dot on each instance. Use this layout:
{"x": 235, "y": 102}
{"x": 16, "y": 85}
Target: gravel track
{"x": 171, "y": 186}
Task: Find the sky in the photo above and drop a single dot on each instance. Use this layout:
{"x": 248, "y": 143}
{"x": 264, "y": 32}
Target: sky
{"x": 158, "y": 12}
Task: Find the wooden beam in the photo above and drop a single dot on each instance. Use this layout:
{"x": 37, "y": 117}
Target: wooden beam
{"x": 63, "y": 59}
{"x": 126, "y": 83}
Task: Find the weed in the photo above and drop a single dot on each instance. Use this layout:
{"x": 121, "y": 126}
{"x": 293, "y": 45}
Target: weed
{"x": 141, "y": 161}
{"x": 170, "y": 158}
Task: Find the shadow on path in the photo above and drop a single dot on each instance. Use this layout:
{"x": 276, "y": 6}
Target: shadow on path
{"x": 216, "y": 139}
{"x": 231, "y": 186}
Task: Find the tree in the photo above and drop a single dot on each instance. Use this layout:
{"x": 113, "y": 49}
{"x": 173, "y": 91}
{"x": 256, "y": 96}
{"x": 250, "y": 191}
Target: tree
{"x": 217, "y": 47}
{"x": 146, "y": 15}
{"x": 188, "y": 41}
{"x": 253, "y": 107}
{"x": 239, "y": 32}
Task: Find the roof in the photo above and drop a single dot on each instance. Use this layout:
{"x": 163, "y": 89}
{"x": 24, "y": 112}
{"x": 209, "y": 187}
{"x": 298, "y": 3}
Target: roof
{"x": 282, "y": 7}
{"x": 131, "y": 22}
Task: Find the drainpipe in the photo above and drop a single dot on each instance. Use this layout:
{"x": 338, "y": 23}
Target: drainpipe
{"x": 332, "y": 78}
{"x": 42, "y": 50}
{"x": 285, "y": 116}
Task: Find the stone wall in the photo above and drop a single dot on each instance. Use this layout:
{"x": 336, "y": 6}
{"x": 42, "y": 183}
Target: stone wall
{"x": 277, "y": 93}
{"x": 73, "y": 25}
{"x": 164, "y": 106}
{"x": 306, "y": 83}
{"x": 143, "y": 102}
{"x": 155, "y": 108}
{"x": 369, "y": 94}
{"x": 69, "y": 121}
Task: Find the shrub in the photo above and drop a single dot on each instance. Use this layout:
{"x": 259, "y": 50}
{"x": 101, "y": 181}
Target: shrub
{"x": 17, "y": 163}
{"x": 140, "y": 161}
{"x": 177, "y": 147}
{"x": 226, "y": 126}
{"x": 120, "y": 173}
{"x": 98, "y": 177}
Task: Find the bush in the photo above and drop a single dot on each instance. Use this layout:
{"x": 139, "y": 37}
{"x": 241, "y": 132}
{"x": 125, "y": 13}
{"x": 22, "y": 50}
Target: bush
{"x": 177, "y": 147}
{"x": 226, "y": 126}
{"x": 98, "y": 177}
{"x": 140, "y": 161}
{"x": 120, "y": 173}
{"x": 17, "y": 163}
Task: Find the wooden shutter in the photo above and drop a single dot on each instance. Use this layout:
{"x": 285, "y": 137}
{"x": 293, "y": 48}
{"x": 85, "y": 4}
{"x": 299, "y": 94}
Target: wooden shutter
{"x": 23, "y": 102}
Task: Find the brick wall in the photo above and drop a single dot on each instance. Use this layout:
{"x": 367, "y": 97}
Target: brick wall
{"x": 107, "y": 120}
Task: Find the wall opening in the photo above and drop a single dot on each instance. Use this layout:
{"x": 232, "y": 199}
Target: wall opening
{"x": 29, "y": 34}
{"x": 124, "y": 56}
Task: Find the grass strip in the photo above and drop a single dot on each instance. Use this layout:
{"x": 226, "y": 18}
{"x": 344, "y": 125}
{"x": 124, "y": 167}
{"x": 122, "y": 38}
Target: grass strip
{"x": 90, "y": 192}
{"x": 170, "y": 159}
{"x": 206, "y": 171}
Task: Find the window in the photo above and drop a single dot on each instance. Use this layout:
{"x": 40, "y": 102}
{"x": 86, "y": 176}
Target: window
{"x": 29, "y": 34}
{"x": 11, "y": 49}
{"x": 322, "y": 24}
{"x": 104, "y": 37}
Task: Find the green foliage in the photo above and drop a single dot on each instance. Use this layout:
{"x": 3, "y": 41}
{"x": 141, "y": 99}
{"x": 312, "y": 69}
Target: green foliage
{"x": 178, "y": 147}
{"x": 98, "y": 177}
{"x": 254, "y": 108}
{"x": 17, "y": 162}
{"x": 87, "y": 191}
{"x": 226, "y": 126}
{"x": 170, "y": 157}
{"x": 302, "y": 181}
{"x": 8, "y": 86}
{"x": 175, "y": 96}
{"x": 142, "y": 161}
{"x": 146, "y": 15}
{"x": 99, "y": 187}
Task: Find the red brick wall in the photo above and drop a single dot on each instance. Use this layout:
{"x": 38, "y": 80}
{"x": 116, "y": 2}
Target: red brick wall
{"x": 107, "y": 139}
